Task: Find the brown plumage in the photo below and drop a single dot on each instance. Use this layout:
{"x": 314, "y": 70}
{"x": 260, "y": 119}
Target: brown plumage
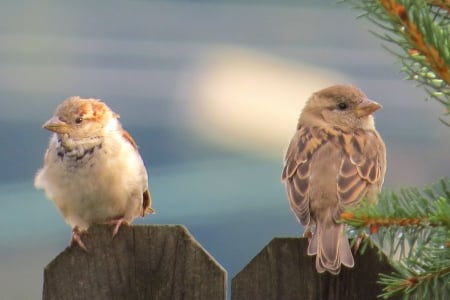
{"x": 335, "y": 159}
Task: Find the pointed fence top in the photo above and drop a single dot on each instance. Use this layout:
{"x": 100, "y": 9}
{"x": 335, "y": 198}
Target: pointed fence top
{"x": 141, "y": 262}
{"x": 282, "y": 270}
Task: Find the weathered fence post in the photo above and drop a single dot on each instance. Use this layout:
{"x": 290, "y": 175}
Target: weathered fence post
{"x": 282, "y": 270}
{"x": 141, "y": 262}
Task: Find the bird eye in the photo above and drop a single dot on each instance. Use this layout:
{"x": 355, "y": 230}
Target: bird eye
{"x": 342, "y": 106}
{"x": 78, "y": 120}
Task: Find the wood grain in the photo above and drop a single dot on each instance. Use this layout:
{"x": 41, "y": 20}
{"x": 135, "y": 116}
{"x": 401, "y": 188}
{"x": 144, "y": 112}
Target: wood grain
{"x": 282, "y": 270}
{"x": 141, "y": 262}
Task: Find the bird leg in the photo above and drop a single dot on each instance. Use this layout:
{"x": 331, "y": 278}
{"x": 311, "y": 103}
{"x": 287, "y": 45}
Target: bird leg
{"x": 117, "y": 223}
{"x": 358, "y": 241}
{"x": 76, "y": 238}
{"x": 308, "y": 233}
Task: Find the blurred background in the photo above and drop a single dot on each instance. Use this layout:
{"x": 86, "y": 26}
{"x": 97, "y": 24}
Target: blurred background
{"x": 211, "y": 91}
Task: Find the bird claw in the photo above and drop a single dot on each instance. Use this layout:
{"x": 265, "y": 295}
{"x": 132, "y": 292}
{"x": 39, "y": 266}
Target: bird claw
{"x": 117, "y": 223}
{"x": 308, "y": 233}
{"x": 76, "y": 238}
{"x": 358, "y": 241}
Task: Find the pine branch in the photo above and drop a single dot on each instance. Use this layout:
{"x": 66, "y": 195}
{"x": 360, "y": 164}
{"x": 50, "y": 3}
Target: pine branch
{"x": 414, "y": 228}
{"x": 442, "y": 4}
{"x": 415, "y": 283}
{"x": 419, "y": 30}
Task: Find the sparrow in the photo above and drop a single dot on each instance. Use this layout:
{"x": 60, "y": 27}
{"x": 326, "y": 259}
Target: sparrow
{"x": 336, "y": 159}
{"x": 92, "y": 169}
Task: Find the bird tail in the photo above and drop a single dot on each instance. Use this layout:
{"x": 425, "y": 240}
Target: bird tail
{"x": 330, "y": 244}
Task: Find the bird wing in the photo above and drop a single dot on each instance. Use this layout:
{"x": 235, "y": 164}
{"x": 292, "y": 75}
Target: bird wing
{"x": 361, "y": 169}
{"x": 129, "y": 138}
{"x": 362, "y": 166}
{"x": 297, "y": 168}
{"x": 146, "y": 196}
{"x": 147, "y": 203}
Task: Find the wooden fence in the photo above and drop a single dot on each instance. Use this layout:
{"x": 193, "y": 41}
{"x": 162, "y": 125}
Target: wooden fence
{"x": 165, "y": 262}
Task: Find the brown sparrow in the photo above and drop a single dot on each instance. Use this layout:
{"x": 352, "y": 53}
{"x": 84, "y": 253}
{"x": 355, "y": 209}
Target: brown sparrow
{"x": 335, "y": 159}
{"x": 92, "y": 168}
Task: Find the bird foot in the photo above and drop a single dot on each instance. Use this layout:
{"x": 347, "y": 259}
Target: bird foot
{"x": 76, "y": 238}
{"x": 117, "y": 223}
{"x": 358, "y": 241}
{"x": 308, "y": 233}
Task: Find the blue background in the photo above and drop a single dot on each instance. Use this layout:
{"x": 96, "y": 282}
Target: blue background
{"x": 142, "y": 58}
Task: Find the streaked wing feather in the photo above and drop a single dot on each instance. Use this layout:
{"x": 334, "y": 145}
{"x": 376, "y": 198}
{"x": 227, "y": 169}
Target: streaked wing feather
{"x": 297, "y": 169}
{"x": 360, "y": 166}
{"x": 299, "y": 186}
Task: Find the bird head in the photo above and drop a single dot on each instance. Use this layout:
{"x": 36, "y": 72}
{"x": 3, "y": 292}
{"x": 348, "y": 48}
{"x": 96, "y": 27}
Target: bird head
{"x": 342, "y": 106}
{"x": 79, "y": 118}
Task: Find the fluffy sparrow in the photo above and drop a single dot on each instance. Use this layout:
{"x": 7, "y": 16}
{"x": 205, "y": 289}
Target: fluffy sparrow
{"x": 92, "y": 168}
{"x": 335, "y": 159}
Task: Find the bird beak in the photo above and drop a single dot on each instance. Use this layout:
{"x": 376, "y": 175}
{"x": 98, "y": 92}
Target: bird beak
{"x": 366, "y": 108}
{"x": 56, "y": 125}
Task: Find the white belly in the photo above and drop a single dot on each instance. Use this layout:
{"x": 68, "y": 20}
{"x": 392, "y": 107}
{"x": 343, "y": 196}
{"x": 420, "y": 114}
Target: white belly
{"x": 104, "y": 186}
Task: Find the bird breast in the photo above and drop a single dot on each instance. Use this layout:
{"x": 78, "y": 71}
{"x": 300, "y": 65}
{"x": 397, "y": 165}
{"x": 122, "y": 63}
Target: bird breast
{"x": 91, "y": 184}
